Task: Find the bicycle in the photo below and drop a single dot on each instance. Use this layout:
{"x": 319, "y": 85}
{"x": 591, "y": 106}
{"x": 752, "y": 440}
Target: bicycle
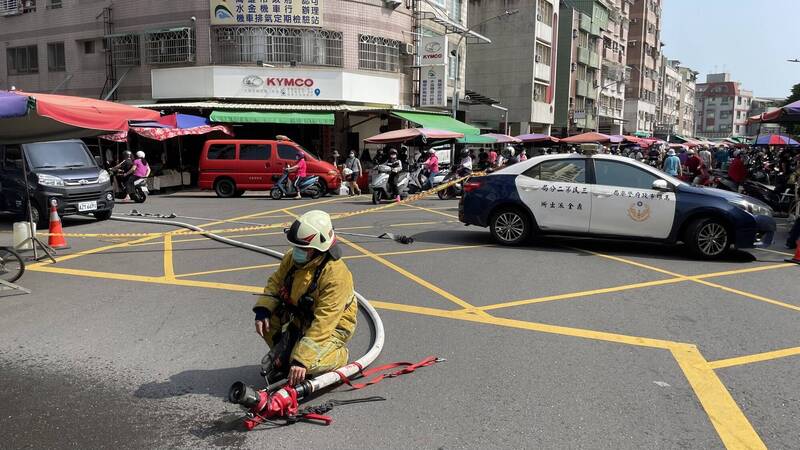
{"x": 11, "y": 265}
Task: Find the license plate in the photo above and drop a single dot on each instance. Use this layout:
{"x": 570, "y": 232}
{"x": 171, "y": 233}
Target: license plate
{"x": 144, "y": 189}
{"x": 87, "y": 206}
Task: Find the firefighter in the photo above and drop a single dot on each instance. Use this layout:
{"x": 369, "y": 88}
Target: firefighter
{"x": 307, "y": 312}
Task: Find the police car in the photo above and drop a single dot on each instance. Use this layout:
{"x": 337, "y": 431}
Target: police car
{"x": 612, "y": 197}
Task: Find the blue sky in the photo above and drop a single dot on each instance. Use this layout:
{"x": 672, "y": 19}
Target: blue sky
{"x": 751, "y": 39}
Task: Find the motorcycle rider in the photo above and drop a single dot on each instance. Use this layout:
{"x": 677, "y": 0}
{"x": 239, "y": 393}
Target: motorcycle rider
{"x": 301, "y": 167}
{"x": 654, "y": 155}
{"x": 307, "y": 312}
{"x": 354, "y": 165}
{"x": 124, "y": 170}
{"x": 141, "y": 169}
{"x": 465, "y": 165}
{"x": 737, "y": 171}
{"x": 395, "y": 167}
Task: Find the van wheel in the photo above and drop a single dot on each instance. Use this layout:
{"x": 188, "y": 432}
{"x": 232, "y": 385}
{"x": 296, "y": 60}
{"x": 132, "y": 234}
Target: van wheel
{"x": 225, "y": 188}
{"x": 707, "y": 238}
{"x": 103, "y": 215}
{"x": 510, "y": 226}
{"x": 40, "y": 218}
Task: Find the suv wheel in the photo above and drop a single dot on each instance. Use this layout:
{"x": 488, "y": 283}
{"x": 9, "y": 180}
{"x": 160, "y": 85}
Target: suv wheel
{"x": 40, "y": 218}
{"x": 225, "y": 188}
{"x": 510, "y": 226}
{"x": 707, "y": 238}
{"x": 102, "y": 215}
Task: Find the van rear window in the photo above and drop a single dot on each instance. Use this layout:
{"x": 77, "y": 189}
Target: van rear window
{"x": 257, "y": 152}
{"x": 222, "y": 151}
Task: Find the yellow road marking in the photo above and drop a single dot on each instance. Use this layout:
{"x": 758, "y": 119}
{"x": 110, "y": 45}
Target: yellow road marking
{"x": 698, "y": 279}
{"x": 412, "y": 277}
{"x": 626, "y": 287}
{"x": 266, "y": 266}
{"x": 758, "y": 357}
{"x": 169, "y": 268}
{"x": 422, "y": 208}
{"x": 728, "y": 419}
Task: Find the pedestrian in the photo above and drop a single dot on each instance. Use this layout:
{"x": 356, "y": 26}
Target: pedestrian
{"x": 124, "y": 170}
{"x": 707, "y": 157}
{"x": 683, "y": 156}
{"x": 693, "y": 163}
{"x": 737, "y": 171}
{"x": 672, "y": 164}
{"x": 353, "y": 164}
{"x": 522, "y": 155}
{"x": 307, "y": 311}
{"x": 335, "y": 159}
{"x": 492, "y": 158}
{"x": 721, "y": 157}
{"x": 794, "y": 235}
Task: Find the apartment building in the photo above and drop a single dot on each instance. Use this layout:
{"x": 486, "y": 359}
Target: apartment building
{"x": 578, "y": 66}
{"x": 643, "y": 56}
{"x": 518, "y": 68}
{"x": 669, "y": 91}
{"x": 614, "y": 71}
{"x": 686, "y": 101}
{"x": 721, "y": 107}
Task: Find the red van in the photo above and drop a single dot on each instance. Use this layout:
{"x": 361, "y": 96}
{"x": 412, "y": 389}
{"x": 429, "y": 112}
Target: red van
{"x": 232, "y": 166}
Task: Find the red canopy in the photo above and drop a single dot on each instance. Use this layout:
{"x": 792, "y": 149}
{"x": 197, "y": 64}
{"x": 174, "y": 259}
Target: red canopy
{"x": 53, "y": 117}
{"x": 408, "y": 134}
{"x": 162, "y": 134}
{"x": 587, "y": 138}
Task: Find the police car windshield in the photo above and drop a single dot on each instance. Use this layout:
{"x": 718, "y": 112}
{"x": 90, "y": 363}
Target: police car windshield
{"x": 58, "y": 155}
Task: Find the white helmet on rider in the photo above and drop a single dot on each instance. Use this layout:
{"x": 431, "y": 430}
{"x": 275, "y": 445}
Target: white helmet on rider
{"x": 140, "y": 154}
{"x": 312, "y": 230}
{"x": 511, "y": 150}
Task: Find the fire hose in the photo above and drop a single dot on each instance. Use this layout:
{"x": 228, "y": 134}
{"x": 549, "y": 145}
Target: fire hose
{"x": 265, "y": 406}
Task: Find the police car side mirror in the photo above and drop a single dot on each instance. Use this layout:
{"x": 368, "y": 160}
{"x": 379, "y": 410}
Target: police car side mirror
{"x": 660, "y": 185}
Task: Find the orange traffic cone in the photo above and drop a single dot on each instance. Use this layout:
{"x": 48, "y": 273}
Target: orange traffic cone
{"x": 56, "y": 239}
{"x": 796, "y": 258}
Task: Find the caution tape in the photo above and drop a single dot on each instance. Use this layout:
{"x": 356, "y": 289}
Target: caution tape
{"x": 407, "y": 200}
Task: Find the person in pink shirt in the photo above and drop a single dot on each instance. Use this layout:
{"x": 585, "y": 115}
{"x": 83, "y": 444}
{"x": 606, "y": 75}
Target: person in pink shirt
{"x": 432, "y": 166}
{"x": 492, "y": 158}
{"x": 301, "y": 169}
{"x": 140, "y": 170}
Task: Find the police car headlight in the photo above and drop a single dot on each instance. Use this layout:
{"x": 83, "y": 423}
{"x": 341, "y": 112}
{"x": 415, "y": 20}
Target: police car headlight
{"x": 103, "y": 177}
{"x": 49, "y": 180}
{"x": 753, "y": 208}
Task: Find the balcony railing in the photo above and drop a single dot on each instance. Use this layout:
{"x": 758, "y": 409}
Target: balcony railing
{"x": 276, "y": 45}
{"x": 588, "y": 57}
{"x": 542, "y": 72}
{"x": 124, "y": 48}
{"x": 585, "y": 89}
{"x": 170, "y": 46}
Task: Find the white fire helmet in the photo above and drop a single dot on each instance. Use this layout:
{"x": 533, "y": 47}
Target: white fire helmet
{"x": 312, "y": 230}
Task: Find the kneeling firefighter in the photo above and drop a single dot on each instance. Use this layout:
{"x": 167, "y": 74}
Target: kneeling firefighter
{"x": 307, "y": 312}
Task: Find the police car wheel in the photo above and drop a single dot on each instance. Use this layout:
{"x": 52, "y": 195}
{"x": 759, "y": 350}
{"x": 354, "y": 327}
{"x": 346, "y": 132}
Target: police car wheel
{"x": 510, "y": 226}
{"x": 707, "y": 238}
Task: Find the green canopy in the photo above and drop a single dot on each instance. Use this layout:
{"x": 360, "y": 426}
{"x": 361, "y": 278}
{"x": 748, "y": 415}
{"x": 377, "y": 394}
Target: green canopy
{"x": 643, "y": 134}
{"x": 473, "y": 139}
{"x": 437, "y": 122}
{"x": 301, "y": 118}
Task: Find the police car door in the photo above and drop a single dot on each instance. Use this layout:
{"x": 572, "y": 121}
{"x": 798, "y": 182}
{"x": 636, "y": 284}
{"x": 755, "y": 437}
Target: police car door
{"x": 556, "y": 192}
{"x": 624, "y": 202}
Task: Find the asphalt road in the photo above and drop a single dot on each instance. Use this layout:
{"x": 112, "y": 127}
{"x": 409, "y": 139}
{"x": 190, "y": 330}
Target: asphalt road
{"x": 566, "y": 343}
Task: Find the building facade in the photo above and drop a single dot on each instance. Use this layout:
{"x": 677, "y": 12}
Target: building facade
{"x": 518, "y": 68}
{"x": 721, "y": 107}
{"x": 340, "y": 56}
{"x": 686, "y": 102}
{"x": 643, "y": 56}
{"x": 760, "y": 105}
{"x": 614, "y": 71}
{"x": 669, "y": 91}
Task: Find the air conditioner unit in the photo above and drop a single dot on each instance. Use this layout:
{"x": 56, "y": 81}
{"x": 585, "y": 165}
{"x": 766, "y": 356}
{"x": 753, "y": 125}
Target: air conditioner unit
{"x": 596, "y": 84}
{"x": 574, "y": 67}
{"x": 392, "y": 3}
{"x": 574, "y": 33}
{"x": 407, "y": 49}
{"x": 538, "y": 58}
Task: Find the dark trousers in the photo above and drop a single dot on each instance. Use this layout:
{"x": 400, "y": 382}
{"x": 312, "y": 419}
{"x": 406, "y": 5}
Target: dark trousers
{"x": 794, "y": 234}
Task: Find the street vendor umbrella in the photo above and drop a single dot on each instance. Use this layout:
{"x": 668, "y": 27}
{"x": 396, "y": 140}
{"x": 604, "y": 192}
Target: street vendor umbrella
{"x": 537, "y": 137}
{"x": 785, "y": 114}
{"x": 48, "y": 117}
{"x": 774, "y": 139}
{"x": 408, "y": 134}
{"x": 502, "y": 138}
{"x": 587, "y": 138}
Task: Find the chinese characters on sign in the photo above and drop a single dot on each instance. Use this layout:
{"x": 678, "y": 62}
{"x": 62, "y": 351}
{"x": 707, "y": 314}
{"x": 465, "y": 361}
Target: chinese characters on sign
{"x": 306, "y": 13}
{"x": 432, "y": 86}
{"x": 562, "y": 205}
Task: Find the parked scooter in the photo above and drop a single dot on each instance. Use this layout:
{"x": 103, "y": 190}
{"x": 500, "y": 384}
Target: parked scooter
{"x": 456, "y": 189}
{"x": 417, "y": 179}
{"x": 380, "y": 184}
{"x": 308, "y": 186}
{"x": 779, "y": 201}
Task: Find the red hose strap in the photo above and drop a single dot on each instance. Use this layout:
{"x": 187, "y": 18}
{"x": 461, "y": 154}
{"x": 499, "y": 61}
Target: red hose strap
{"x": 407, "y": 368}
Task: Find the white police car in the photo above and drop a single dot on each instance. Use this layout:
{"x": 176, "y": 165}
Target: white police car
{"x": 612, "y": 197}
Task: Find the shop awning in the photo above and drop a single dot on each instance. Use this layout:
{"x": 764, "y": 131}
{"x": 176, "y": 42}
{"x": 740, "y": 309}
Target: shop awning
{"x": 297, "y": 118}
{"x": 477, "y": 139}
{"x": 438, "y": 122}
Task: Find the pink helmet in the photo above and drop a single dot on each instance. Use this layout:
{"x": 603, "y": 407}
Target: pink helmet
{"x": 300, "y": 155}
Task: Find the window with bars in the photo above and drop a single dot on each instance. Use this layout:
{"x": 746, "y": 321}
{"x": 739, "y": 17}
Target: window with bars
{"x": 56, "y": 61}
{"x": 544, "y": 12}
{"x": 377, "y": 53}
{"x": 22, "y": 60}
{"x": 544, "y": 54}
{"x": 54, "y": 4}
{"x": 277, "y": 45}
{"x": 170, "y": 46}
{"x": 454, "y": 10}
{"x": 124, "y": 48}
{"x": 539, "y": 92}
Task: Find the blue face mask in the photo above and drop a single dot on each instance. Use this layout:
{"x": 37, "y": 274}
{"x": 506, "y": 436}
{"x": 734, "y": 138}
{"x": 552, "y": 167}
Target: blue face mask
{"x": 300, "y": 256}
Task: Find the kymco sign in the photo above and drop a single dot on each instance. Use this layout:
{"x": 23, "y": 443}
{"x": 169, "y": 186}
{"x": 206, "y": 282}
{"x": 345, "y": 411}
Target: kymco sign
{"x": 433, "y": 50}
